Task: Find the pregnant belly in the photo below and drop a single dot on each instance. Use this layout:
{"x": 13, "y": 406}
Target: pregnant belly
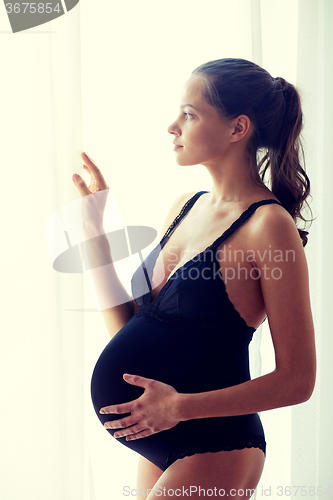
{"x": 132, "y": 350}
{"x": 189, "y": 359}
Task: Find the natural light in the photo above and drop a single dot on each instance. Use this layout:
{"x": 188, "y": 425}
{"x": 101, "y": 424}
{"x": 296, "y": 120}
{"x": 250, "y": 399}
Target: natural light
{"x": 106, "y": 78}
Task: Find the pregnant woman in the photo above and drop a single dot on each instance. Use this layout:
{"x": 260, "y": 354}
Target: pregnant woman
{"x": 173, "y": 383}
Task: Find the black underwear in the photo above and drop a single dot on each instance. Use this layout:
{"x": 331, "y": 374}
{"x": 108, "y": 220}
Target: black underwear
{"x": 190, "y": 337}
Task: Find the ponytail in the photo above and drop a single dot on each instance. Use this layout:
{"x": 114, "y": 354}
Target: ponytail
{"x": 237, "y": 86}
{"x": 289, "y": 181}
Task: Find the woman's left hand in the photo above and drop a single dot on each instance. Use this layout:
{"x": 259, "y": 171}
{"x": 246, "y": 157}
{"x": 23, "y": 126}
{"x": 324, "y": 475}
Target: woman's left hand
{"x": 154, "y": 411}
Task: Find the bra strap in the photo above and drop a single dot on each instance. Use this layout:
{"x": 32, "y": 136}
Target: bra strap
{"x": 186, "y": 208}
{"x": 241, "y": 219}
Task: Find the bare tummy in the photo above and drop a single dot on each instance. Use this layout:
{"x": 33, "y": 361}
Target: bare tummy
{"x": 200, "y": 227}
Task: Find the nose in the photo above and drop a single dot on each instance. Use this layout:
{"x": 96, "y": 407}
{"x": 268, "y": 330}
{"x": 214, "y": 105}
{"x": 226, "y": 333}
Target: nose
{"x": 174, "y": 128}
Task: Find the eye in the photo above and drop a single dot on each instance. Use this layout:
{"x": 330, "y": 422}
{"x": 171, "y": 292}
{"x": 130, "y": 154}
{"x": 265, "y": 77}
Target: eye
{"x": 188, "y": 116}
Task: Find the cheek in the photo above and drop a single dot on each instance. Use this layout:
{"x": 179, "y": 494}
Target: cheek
{"x": 208, "y": 135}
{"x": 219, "y": 139}
{"x": 201, "y": 138}
{"x": 213, "y": 143}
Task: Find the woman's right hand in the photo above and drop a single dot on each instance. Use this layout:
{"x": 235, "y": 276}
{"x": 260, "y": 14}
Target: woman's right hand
{"x": 92, "y": 208}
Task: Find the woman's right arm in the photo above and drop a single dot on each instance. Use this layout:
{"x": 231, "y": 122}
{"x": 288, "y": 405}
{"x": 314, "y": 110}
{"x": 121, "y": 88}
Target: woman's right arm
{"x": 106, "y": 284}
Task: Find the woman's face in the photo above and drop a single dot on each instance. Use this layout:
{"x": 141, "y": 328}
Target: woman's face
{"x": 203, "y": 136}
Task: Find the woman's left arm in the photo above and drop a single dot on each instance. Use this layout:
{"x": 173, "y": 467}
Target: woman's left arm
{"x": 285, "y": 291}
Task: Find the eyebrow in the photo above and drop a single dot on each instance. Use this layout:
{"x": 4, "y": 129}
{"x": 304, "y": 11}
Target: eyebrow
{"x": 190, "y": 105}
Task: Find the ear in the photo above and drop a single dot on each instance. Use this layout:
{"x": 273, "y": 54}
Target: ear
{"x": 241, "y": 127}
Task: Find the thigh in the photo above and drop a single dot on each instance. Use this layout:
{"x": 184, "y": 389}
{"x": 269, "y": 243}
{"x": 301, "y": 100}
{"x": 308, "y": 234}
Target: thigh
{"x": 236, "y": 470}
{"x": 148, "y": 474}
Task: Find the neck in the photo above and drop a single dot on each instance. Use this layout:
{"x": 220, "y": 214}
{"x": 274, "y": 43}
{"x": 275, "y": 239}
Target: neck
{"x": 232, "y": 180}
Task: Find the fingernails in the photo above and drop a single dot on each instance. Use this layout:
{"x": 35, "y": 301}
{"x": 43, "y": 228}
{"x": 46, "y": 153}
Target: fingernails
{"x": 75, "y": 177}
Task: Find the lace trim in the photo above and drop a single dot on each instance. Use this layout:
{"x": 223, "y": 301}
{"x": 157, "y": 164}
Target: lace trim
{"x": 221, "y": 326}
{"x": 192, "y": 200}
{"x": 252, "y": 441}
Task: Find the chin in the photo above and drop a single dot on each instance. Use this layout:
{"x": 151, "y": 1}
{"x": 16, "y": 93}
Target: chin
{"x": 186, "y": 163}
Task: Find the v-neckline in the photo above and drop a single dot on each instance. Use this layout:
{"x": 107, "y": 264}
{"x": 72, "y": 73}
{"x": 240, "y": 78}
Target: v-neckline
{"x": 222, "y": 237}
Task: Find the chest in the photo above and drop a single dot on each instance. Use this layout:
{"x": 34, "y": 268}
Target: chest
{"x": 186, "y": 244}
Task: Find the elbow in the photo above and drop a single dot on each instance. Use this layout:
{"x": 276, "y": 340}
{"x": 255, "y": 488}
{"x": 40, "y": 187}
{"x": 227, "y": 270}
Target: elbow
{"x": 303, "y": 391}
{"x": 302, "y": 394}
{"x": 297, "y": 388}
{"x": 309, "y": 390}
{"x": 299, "y": 380}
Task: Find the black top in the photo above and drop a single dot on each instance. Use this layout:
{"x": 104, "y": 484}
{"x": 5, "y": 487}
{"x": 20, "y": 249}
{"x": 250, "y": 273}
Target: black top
{"x": 190, "y": 337}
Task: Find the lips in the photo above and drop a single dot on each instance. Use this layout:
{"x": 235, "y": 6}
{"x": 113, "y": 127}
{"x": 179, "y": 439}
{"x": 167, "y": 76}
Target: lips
{"x": 176, "y": 146}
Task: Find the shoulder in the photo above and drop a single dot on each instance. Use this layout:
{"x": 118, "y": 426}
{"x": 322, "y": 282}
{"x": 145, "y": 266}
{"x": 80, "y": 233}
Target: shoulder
{"x": 273, "y": 232}
{"x": 174, "y": 210}
{"x": 182, "y": 199}
{"x": 272, "y": 224}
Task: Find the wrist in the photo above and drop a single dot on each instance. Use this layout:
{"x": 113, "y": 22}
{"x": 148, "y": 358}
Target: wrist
{"x": 91, "y": 230}
{"x": 185, "y": 406}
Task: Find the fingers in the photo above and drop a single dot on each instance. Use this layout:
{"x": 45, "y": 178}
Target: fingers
{"x": 94, "y": 171}
{"x": 133, "y": 433}
{"x": 80, "y": 185}
{"x": 138, "y": 435}
{"x": 122, "y": 408}
{"x": 129, "y": 428}
{"x": 121, "y": 423}
{"x": 137, "y": 380}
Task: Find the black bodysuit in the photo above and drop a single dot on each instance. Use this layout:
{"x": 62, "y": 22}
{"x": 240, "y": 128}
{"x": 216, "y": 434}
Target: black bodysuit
{"x": 191, "y": 337}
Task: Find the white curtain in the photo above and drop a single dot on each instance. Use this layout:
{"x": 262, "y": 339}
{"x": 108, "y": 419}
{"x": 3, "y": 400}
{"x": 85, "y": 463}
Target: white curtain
{"x": 105, "y": 78}
{"x": 312, "y": 433}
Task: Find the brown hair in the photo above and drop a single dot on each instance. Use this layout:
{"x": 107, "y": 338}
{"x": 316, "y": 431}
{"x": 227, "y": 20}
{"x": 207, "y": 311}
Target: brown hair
{"x": 239, "y": 87}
